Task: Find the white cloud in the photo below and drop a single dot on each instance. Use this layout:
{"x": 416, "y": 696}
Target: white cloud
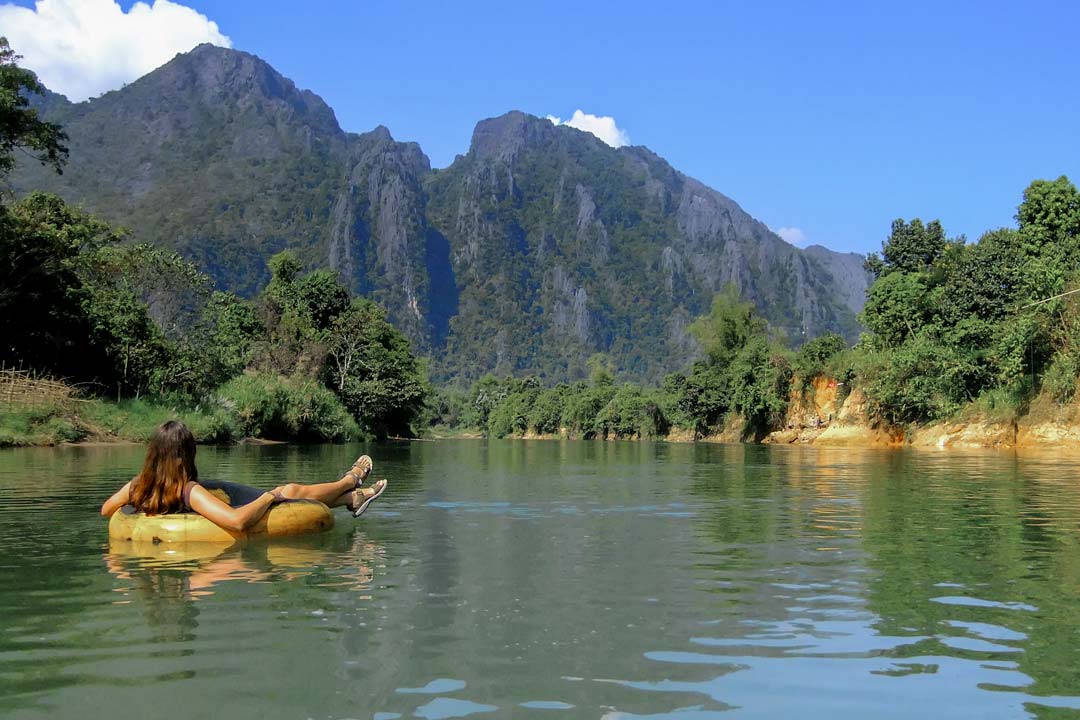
{"x": 602, "y": 126}
{"x": 82, "y": 48}
{"x": 793, "y": 235}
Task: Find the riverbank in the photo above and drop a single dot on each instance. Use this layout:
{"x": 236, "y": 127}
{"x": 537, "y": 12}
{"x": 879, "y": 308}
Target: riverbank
{"x": 819, "y": 417}
{"x": 252, "y": 407}
{"x": 827, "y": 413}
{"x": 99, "y": 421}
{"x": 819, "y": 413}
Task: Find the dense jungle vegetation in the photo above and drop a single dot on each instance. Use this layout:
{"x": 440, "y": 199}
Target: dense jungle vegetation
{"x": 143, "y": 327}
{"x": 950, "y": 325}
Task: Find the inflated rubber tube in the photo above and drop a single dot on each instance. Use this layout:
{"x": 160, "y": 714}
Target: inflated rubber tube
{"x": 293, "y": 517}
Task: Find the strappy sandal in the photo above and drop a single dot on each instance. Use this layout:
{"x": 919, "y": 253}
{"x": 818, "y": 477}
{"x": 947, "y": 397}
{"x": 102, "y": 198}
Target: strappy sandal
{"x": 360, "y": 470}
{"x": 377, "y": 489}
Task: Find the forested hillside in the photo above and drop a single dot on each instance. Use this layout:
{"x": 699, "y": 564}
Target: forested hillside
{"x": 536, "y": 249}
{"x": 985, "y": 333}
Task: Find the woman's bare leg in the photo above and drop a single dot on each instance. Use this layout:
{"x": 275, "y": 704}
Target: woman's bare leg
{"x": 356, "y": 496}
{"x": 343, "y": 500}
{"x": 335, "y": 493}
{"x": 327, "y": 493}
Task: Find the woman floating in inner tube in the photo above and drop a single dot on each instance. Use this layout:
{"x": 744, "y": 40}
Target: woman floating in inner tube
{"x": 169, "y": 483}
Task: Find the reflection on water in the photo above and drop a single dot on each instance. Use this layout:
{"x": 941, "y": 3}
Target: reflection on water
{"x": 614, "y": 580}
{"x": 165, "y": 582}
{"x": 351, "y": 559}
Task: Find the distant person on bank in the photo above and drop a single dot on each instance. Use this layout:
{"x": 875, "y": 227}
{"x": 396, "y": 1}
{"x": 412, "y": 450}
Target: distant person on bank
{"x": 169, "y": 483}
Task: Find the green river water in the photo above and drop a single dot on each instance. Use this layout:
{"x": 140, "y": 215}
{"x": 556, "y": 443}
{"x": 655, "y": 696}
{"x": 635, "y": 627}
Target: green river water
{"x": 559, "y": 579}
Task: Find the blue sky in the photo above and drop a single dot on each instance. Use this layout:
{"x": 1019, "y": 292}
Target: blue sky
{"x": 831, "y": 118}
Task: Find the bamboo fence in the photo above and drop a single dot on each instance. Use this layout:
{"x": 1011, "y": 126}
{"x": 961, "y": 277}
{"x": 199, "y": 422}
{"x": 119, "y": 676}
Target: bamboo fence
{"x": 25, "y": 389}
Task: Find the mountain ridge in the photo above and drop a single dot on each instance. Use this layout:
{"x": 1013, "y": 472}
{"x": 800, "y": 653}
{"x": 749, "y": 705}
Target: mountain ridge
{"x": 538, "y": 247}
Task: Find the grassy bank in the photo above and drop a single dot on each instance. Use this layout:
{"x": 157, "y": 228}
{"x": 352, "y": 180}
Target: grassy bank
{"x": 103, "y": 421}
{"x": 272, "y": 408}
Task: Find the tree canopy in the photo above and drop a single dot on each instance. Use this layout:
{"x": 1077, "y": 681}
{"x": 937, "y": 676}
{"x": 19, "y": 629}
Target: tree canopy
{"x": 20, "y": 127}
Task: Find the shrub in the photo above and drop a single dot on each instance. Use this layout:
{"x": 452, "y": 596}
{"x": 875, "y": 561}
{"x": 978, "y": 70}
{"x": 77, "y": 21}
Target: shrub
{"x": 445, "y": 407}
{"x": 632, "y": 412}
{"x": 510, "y": 417}
{"x": 137, "y": 419}
{"x": 286, "y": 408}
{"x": 547, "y": 411}
{"x": 583, "y": 406}
{"x": 816, "y": 356}
{"x": 918, "y": 381}
{"x": 1059, "y": 381}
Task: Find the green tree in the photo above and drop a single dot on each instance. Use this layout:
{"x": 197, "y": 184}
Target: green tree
{"x": 910, "y": 247}
{"x": 46, "y": 248}
{"x": 274, "y": 407}
{"x": 759, "y": 379}
{"x": 373, "y": 371}
{"x": 601, "y": 369}
{"x": 982, "y": 280}
{"x": 320, "y": 298}
{"x": 632, "y": 412}
{"x": 284, "y": 268}
{"x": 896, "y": 307}
{"x": 511, "y": 416}
{"x": 921, "y": 380}
{"x": 1050, "y": 214}
{"x": 317, "y": 298}
{"x": 728, "y": 326}
{"x": 121, "y": 324}
{"x": 1049, "y": 219}
{"x": 742, "y": 370}
{"x": 545, "y": 417}
{"x": 175, "y": 291}
{"x": 813, "y": 357}
{"x": 702, "y": 398}
{"x": 20, "y": 127}
{"x": 583, "y": 405}
{"x": 447, "y": 407}
{"x": 77, "y": 302}
{"x": 485, "y": 394}
{"x": 292, "y": 345}
{"x": 234, "y": 329}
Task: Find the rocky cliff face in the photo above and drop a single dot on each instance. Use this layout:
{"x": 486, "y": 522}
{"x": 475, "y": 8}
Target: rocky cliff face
{"x": 378, "y": 234}
{"x": 536, "y": 249}
{"x": 564, "y": 246}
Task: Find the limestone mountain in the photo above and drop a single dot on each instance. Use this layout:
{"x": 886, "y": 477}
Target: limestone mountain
{"x": 537, "y": 248}
{"x": 562, "y": 245}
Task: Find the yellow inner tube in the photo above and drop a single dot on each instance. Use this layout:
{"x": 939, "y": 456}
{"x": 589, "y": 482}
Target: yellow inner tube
{"x": 295, "y": 517}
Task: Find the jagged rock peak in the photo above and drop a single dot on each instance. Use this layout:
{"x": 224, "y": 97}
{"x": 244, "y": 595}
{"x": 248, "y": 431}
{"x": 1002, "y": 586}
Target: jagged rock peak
{"x": 502, "y": 137}
{"x": 218, "y": 74}
{"x": 379, "y": 140}
{"x": 380, "y": 132}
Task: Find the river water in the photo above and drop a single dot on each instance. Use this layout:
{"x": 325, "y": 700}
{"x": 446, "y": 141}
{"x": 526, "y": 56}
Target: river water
{"x": 559, "y": 579}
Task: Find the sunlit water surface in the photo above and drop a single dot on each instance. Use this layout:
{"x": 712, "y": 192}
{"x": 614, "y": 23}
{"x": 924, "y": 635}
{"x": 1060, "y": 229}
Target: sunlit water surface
{"x": 547, "y": 579}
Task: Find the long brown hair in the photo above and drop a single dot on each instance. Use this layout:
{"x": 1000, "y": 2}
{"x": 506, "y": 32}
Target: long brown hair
{"x": 169, "y": 466}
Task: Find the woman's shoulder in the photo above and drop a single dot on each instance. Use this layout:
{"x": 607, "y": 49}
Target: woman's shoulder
{"x": 185, "y": 494}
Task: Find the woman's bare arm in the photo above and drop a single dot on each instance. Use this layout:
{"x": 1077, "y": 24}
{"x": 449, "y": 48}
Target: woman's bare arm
{"x": 119, "y": 499}
{"x": 226, "y": 516}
